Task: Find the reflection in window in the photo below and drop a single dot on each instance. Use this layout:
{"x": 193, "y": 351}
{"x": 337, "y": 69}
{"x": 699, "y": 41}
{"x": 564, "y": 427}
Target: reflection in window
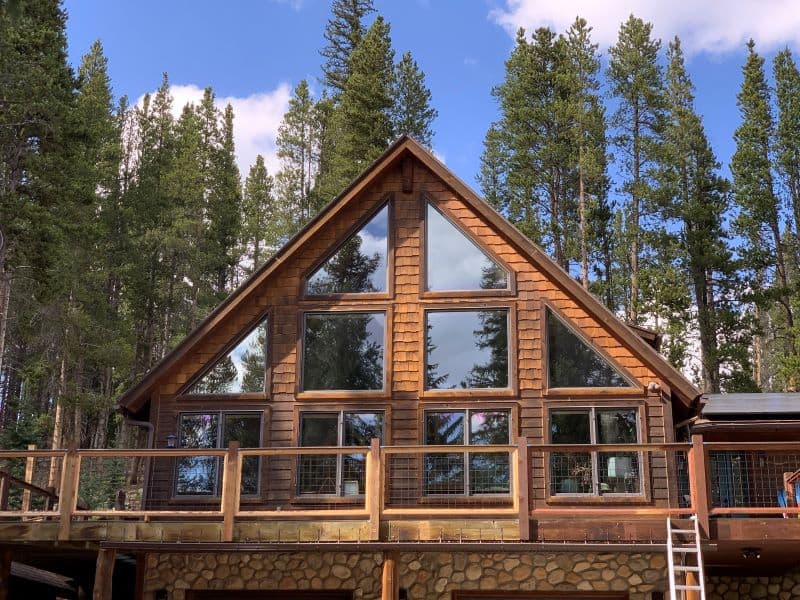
{"x": 573, "y": 363}
{"x": 594, "y": 472}
{"x": 469, "y": 473}
{"x": 466, "y": 349}
{"x": 359, "y": 265}
{"x": 454, "y": 262}
{"x": 343, "y": 351}
{"x": 331, "y": 474}
{"x": 241, "y": 370}
{"x": 202, "y": 475}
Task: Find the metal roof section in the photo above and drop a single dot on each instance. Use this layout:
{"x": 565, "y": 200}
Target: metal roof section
{"x": 755, "y": 404}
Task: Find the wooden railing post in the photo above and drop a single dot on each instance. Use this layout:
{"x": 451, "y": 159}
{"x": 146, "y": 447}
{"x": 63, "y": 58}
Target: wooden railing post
{"x": 699, "y": 485}
{"x": 521, "y": 485}
{"x": 104, "y": 574}
{"x": 4, "y": 487}
{"x": 68, "y": 492}
{"x": 373, "y": 492}
{"x": 30, "y": 463}
{"x": 390, "y": 583}
{"x": 231, "y": 489}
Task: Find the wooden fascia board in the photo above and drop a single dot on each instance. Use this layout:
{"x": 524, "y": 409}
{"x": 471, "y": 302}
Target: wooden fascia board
{"x": 686, "y": 391}
{"x": 134, "y": 398}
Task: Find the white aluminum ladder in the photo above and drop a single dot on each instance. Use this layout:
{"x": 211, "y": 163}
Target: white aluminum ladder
{"x": 687, "y": 544}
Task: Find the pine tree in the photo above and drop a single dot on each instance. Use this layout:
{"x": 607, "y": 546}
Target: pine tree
{"x": 637, "y": 83}
{"x": 261, "y": 223}
{"x": 412, "y": 112}
{"x": 759, "y": 219}
{"x": 360, "y": 122}
{"x": 343, "y": 34}
{"x": 298, "y": 143}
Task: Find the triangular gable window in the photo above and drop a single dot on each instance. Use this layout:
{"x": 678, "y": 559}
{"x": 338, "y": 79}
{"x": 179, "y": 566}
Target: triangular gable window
{"x": 359, "y": 265}
{"x": 242, "y": 370}
{"x": 573, "y": 363}
{"x": 454, "y": 262}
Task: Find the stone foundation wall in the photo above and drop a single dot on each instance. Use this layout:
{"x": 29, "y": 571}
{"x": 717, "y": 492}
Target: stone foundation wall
{"x": 782, "y": 587}
{"x": 426, "y": 575}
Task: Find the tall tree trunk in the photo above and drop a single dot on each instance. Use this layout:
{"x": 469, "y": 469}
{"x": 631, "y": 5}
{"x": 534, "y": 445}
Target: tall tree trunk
{"x": 633, "y": 309}
{"x": 583, "y": 225}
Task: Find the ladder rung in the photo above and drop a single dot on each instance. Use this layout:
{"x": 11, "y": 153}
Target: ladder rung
{"x": 687, "y": 568}
{"x": 684, "y": 549}
{"x": 688, "y": 587}
{"x": 684, "y": 531}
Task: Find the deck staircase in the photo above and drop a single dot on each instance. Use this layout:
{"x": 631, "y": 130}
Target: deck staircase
{"x": 684, "y": 557}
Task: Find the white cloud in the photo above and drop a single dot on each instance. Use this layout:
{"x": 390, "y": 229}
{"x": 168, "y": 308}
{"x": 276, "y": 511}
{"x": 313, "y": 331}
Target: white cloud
{"x": 713, "y": 26}
{"x": 255, "y": 124}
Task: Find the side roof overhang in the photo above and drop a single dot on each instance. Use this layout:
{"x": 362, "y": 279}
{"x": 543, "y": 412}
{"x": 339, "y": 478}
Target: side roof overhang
{"x": 136, "y": 397}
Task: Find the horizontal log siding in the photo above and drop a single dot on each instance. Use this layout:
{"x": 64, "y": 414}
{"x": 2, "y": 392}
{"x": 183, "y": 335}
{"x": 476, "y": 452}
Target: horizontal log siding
{"x": 280, "y": 296}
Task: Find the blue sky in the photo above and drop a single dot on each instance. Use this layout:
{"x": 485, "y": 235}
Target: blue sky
{"x": 254, "y": 52}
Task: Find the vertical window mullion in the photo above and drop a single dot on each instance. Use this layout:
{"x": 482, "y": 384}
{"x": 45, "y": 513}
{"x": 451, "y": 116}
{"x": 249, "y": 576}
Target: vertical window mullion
{"x": 595, "y": 454}
{"x": 465, "y": 440}
{"x": 220, "y": 460}
{"x": 340, "y": 457}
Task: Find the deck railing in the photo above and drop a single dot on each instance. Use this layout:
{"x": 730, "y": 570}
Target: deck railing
{"x": 376, "y": 484}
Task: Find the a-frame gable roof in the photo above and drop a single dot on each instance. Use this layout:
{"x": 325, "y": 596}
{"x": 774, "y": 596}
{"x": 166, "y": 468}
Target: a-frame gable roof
{"x": 133, "y": 399}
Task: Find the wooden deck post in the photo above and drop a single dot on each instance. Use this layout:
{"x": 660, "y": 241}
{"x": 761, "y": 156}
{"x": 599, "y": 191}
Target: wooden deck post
{"x": 4, "y": 487}
{"x": 104, "y": 574}
{"x": 698, "y": 482}
{"x": 691, "y": 579}
{"x": 390, "y": 582}
{"x": 30, "y": 463}
{"x": 68, "y": 492}
{"x": 5, "y": 573}
{"x": 373, "y": 494}
{"x": 231, "y": 489}
{"x": 522, "y": 486}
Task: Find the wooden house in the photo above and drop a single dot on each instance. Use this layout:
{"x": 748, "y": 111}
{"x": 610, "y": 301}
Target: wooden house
{"x": 410, "y": 399}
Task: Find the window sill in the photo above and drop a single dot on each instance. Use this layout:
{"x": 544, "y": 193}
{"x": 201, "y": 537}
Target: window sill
{"x": 591, "y": 499}
{"x": 341, "y": 394}
{"x": 589, "y": 392}
{"x": 249, "y": 396}
{"x": 442, "y": 294}
{"x": 471, "y": 392}
{"x": 329, "y": 499}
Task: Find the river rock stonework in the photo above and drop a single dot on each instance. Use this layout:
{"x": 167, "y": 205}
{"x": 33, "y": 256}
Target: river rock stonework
{"x": 781, "y": 587}
{"x": 426, "y": 575}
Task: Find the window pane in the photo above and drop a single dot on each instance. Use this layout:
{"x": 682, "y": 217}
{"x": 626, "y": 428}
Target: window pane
{"x": 246, "y": 429}
{"x": 488, "y": 427}
{"x": 197, "y": 475}
{"x": 569, "y": 428}
{"x": 619, "y": 472}
{"x": 444, "y": 428}
{"x": 242, "y": 370}
{"x": 361, "y": 427}
{"x": 571, "y": 473}
{"x": 467, "y": 349}
{"x": 343, "y": 351}
{"x": 319, "y": 429}
{"x": 359, "y": 265}
{"x": 572, "y": 363}
{"x": 489, "y": 473}
{"x": 455, "y": 262}
{"x": 616, "y": 427}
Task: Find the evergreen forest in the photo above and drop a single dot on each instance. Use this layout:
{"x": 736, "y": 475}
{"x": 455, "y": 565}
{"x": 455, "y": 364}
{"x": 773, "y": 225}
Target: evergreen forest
{"x": 123, "y": 224}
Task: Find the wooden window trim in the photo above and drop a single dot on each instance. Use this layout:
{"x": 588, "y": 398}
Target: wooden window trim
{"x": 513, "y": 409}
{"x": 642, "y": 498}
{"x": 636, "y": 388}
{"x": 183, "y": 499}
{"x": 294, "y": 496}
{"x": 385, "y": 392}
{"x": 267, "y": 315}
{"x": 385, "y": 200}
{"x": 513, "y": 351}
{"x": 424, "y": 293}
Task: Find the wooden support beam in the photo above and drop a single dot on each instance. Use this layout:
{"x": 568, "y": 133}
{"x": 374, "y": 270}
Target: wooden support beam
{"x": 691, "y": 579}
{"x": 373, "y": 492}
{"x": 390, "y": 582}
{"x": 104, "y": 574}
{"x": 407, "y": 170}
{"x": 30, "y": 463}
{"x": 522, "y": 486}
{"x": 68, "y": 492}
{"x": 699, "y": 474}
{"x": 231, "y": 489}
{"x": 5, "y": 574}
{"x": 3, "y": 492}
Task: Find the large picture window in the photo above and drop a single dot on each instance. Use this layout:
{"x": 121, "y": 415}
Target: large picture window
{"x": 466, "y": 349}
{"x": 573, "y": 363}
{"x": 595, "y": 472}
{"x": 241, "y": 370}
{"x": 343, "y": 474}
{"x": 359, "y": 265}
{"x": 453, "y": 262}
{"x": 467, "y": 473}
{"x": 202, "y": 475}
{"x": 343, "y": 351}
